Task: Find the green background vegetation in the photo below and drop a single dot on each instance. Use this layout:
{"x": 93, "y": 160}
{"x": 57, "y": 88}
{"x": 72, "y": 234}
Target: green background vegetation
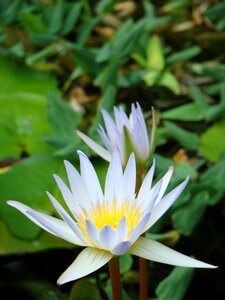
{"x": 60, "y": 63}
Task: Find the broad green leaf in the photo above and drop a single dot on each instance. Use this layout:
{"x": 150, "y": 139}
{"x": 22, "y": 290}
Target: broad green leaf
{"x": 27, "y": 182}
{"x": 174, "y": 286}
{"x": 155, "y": 57}
{"x": 186, "y": 138}
{"x": 12, "y": 244}
{"x": 17, "y": 78}
{"x": 186, "y": 112}
{"x": 186, "y": 218}
{"x": 212, "y": 142}
{"x": 64, "y": 121}
{"x": 23, "y": 125}
{"x": 85, "y": 289}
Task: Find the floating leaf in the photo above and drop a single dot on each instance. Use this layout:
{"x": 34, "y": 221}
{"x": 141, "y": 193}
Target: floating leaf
{"x": 85, "y": 289}
{"x": 174, "y": 286}
{"x": 27, "y": 182}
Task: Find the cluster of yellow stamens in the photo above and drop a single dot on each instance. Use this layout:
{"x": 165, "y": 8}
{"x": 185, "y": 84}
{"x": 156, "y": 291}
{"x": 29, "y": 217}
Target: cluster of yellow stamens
{"x": 102, "y": 214}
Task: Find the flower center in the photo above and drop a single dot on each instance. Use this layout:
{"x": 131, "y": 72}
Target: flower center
{"x": 103, "y": 214}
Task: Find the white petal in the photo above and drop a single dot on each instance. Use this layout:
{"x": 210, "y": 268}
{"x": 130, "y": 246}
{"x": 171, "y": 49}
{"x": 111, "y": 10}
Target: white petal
{"x": 68, "y": 219}
{"x": 93, "y": 232}
{"x": 146, "y": 185}
{"x": 122, "y": 229}
{"x": 90, "y": 178}
{"x": 88, "y": 261}
{"x": 67, "y": 195}
{"x": 113, "y": 177}
{"x": 105, "y": 139}
{"x": 165, "y": 181}
{"x": 53, "y": 225}
{"x": 139, "y": 229}
{"x": 128, "y": 182}
{"x": 156, "y": 251}
{"x": 110, "y": 127}
{"x": 108, "y": 237}
{"x": 121, "y": 248}
{"x": 165, "y": 203}
{"x": 105, "y": 154}
{"x": 78, "y": 187}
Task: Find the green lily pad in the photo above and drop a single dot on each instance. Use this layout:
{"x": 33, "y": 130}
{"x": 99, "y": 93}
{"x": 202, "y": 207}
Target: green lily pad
{"x": 23, "y": 123}
{"x": 27, "y": 182}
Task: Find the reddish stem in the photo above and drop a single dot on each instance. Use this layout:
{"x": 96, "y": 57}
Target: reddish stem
{"x": 143, "y": 293}
{"x": 114, "y": 271}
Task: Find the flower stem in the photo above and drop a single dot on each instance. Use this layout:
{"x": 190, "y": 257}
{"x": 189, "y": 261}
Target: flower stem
{"x": 114, "y": 271}
{"x": 143, "y": 293}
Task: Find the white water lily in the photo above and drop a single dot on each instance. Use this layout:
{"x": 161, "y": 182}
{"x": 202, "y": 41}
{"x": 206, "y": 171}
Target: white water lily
{"x": 111, "y": 223}
{"x": 126, "y": 134}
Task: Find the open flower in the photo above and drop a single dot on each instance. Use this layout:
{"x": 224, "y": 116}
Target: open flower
{"x": 126, "y": 134}
{"x": 111, "y": 223}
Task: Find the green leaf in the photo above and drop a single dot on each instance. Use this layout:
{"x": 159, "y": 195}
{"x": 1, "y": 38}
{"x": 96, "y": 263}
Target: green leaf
{"x": 108, "y": 76}
{"x": 186, "y": 112}
{"x": 186, "y": 218}
{"x": 174, "y": 286}
{"x": 11, "y": 13}
{"x": 85, "y": 289}
{"x": 198, "y": 97}
{"x": 56, "y": 17}
{"x": 155, "y": 57}
{"x": 33, "y": 23}
{"x": 85, "y": 59}
{"x": 168, "y": 80}
{"x": 212, "y": 142}
{"x": 71, "y": 18}
{"x": 23, "y": 124}
{"x": 27, "y": 182}
{"x": 183, "y": 55}
{"x": 64, "y": 121}
{"x": 213, "y": 181}
{"x": 126, "y": 262}
{"x": 187, "y": 139}
{"x": 17, "y": 78}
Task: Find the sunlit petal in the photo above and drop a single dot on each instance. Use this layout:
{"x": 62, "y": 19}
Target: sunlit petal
{"x": 53, "y": 225}
{"x": 88, "y": 261}
{"x": 158, "y": 252}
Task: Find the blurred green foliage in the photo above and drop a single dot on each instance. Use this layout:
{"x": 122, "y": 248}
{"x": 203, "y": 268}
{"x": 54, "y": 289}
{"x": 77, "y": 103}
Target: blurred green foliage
{"x": 60, "y": 63}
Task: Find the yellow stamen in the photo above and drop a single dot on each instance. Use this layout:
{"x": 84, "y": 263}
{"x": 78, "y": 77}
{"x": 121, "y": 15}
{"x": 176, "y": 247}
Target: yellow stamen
{"x": 103, "y": 214}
